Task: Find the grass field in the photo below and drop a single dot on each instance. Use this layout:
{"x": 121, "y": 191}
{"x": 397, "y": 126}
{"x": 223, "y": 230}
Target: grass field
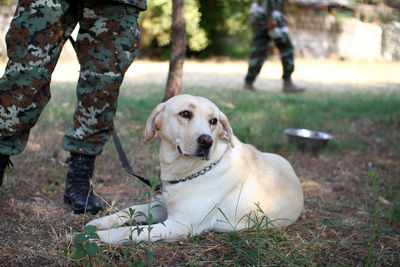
{"x": 352, "y": 199}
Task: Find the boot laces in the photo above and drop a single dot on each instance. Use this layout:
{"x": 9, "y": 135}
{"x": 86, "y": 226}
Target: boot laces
{"x": 80, "y": 171}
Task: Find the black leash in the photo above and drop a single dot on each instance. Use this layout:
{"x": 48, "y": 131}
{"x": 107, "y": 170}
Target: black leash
{"x": 118, "y": 146}
{"x": 125, "y": 162}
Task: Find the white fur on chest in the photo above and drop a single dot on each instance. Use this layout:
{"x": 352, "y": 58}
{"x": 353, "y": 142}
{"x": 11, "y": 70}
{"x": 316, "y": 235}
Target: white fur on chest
{"x": 196, "y": 200}
{"x": 210, "y": 200}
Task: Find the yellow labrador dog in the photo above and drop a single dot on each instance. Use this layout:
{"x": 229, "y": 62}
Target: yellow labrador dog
{"x": 211, "y": 180}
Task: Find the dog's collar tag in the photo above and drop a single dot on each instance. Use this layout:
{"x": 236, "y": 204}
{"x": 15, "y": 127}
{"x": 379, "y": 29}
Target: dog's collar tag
{"x": 197, "y": 174}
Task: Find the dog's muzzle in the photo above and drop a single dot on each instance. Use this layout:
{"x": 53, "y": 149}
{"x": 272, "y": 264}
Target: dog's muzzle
{"x": 204, "y": 144}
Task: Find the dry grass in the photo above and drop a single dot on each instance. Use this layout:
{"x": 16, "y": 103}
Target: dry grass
{"x": 334, "y": 228}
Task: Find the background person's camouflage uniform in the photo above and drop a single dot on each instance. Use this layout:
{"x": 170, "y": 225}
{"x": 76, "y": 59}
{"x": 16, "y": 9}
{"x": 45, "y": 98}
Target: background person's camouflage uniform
{"x": 268, "y": 24}
{"x": 107, "y": 44}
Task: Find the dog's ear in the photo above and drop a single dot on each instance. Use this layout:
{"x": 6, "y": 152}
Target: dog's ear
{"x": 153, "y": 122}
{"x": 226, "y": 129}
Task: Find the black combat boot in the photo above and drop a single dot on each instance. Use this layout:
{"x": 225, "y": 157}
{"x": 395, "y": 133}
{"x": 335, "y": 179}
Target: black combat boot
{"x": 4, "y": 163}
{"x": 78, "y": 188}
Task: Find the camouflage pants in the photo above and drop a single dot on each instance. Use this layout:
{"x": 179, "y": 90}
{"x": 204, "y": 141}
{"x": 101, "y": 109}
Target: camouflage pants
{"x": 259, "y": 53}
{"x": 107, "y": 43}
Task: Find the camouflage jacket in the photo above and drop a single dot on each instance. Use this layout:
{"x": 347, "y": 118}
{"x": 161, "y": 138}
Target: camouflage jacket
{"x": 140, "y": 4}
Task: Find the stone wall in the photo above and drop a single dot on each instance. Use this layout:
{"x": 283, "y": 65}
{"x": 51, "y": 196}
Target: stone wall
{"x": 359, "y": 40}
{"x": 313, "y": 35}
{"x": 323, "y": 35}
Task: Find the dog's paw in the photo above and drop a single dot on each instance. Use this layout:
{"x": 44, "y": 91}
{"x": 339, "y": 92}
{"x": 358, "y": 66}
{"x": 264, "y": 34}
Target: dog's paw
{"x": 116, "y": 236}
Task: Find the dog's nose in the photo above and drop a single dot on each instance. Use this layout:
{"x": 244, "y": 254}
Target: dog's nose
{"x": 205, "y": 141}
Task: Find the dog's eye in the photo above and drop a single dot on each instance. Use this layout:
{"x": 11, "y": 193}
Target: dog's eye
{"x": 213, "y": 121}
{"x": 186, "y": 114}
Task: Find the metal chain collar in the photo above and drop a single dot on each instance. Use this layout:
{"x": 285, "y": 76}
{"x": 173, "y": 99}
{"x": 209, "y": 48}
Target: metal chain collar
{"x": 197, "y": 174}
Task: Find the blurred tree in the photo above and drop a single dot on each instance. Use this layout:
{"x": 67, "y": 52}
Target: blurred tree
{"x": 5, "y": 2}
{"x": 227, "y": 25}
{"x": 178, "y": 36}
{"x": 213, "y": 27}
{"x": 156, "y": 25}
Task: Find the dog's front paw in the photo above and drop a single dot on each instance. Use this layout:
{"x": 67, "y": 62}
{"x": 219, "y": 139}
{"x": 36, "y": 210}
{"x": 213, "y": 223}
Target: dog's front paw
{"x": 116, "y": 236}
{"x": 109, "y": 221}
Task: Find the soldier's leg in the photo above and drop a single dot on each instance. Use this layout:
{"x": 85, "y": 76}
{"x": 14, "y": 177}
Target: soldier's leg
{"x": 286, "y": 51}
{"x": 259, "y": 52}
{"x": 34, "y": 41}
{"x": 107, "y": 44}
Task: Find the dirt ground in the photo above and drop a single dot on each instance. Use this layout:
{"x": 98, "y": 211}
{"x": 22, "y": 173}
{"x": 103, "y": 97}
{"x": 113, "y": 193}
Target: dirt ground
{"x": 34, "y": 221}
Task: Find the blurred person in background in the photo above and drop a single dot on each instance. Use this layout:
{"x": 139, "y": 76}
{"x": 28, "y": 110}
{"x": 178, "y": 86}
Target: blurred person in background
{"x": 269, "y": 24}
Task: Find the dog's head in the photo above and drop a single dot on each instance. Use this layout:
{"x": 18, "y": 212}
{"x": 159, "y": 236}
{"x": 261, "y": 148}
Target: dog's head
{"x": 191, "y": 124}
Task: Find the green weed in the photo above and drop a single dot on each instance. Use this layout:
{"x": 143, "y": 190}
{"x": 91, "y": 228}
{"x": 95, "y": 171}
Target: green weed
{"x": 376, "y": 227}
{"x": 392, "y": 215}
{"x": 263, "y": 244}
{"x": 86, "y": 251}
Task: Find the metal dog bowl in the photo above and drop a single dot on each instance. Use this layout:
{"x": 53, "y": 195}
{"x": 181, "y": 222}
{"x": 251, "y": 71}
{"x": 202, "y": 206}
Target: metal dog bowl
{"x": 306, "y": 140}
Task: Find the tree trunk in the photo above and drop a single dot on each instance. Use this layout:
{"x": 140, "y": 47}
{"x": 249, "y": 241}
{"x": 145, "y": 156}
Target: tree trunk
{"x": 178, "y": 40}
